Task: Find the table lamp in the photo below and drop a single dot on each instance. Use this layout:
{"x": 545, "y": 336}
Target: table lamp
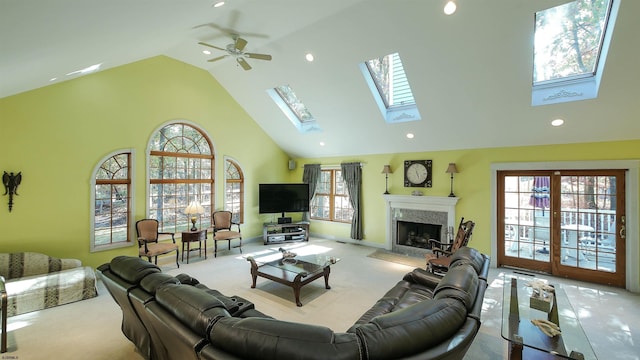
{"x": 386, "y": 170}
{"x": 452, "y": 169}
{"x": 194, "y": 209}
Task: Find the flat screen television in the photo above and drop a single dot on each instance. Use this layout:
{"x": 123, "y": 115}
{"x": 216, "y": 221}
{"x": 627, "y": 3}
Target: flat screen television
{"x": 281, "y": 198}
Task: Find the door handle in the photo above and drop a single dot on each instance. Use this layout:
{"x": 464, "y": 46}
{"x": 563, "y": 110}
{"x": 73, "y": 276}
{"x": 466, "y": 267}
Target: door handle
{"x": 623, "y": 232}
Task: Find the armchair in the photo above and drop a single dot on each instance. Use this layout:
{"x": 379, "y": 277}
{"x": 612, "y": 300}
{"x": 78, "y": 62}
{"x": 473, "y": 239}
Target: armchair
{"x": 222, "y": 223}
{"x": 441, "y": 258}
{"x": 148, "y": 245}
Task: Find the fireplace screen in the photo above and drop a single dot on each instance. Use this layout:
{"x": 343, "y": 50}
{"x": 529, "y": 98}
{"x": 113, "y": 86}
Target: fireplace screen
{"x": 417, "y": 234}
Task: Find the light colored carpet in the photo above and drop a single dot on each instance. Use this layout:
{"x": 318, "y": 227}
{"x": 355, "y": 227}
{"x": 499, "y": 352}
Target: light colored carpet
{"x": 90, "y": 329}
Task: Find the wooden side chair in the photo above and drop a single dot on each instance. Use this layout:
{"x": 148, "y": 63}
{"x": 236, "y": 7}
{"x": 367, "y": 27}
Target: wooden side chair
{"x": 441, "y": 258}
{"x": 148, "y": 245}
{"x": 222, "y": 221}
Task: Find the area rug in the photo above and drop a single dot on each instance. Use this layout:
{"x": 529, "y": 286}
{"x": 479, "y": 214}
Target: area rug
{"x": 398, "y": 258}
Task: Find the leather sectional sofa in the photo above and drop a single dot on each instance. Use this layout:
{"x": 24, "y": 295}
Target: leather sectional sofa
{"x": 424, "y": 316}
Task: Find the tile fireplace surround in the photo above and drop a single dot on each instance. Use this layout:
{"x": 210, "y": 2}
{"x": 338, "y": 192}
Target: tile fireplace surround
{"x": 437, "y": 210}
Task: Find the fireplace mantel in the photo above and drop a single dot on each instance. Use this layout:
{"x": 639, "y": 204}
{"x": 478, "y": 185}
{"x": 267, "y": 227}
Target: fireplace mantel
{"x": 395, "y": 203}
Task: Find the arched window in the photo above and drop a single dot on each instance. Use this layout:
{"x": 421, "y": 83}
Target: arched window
{"x": 234, "y": 190}
{"x": 111, "y": 202}
{"x": 180, "y": 171}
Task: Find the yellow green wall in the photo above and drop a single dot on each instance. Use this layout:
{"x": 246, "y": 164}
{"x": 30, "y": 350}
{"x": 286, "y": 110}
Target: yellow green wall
{"x": 472, "y": 184}
{"x": 57, "y": 134}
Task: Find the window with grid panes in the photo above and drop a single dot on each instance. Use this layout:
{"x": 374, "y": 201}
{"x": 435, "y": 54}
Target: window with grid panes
{"x": 112, "y": 202}
{"x": 234, "y": 190}
{"x": 180, "y": 171}
{"x": 331, "y": 200}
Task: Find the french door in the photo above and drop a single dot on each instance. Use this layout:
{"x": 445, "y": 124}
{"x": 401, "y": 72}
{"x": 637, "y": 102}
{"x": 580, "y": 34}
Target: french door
{"x": 569, "y": 223}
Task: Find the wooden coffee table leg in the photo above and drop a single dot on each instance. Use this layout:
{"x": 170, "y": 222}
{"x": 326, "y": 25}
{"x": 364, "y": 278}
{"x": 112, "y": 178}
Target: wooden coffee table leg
{"x": 254, "y": 271}
{"x": 327, "y": 270}
{"x": 296, "y": 285}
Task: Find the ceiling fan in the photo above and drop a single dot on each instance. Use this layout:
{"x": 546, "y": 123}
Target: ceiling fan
{"x": 236, "y": 50}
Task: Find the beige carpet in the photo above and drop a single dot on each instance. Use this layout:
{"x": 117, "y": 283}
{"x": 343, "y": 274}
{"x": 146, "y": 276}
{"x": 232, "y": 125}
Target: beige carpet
{"x": 398, "y": 258}
{"x": 90, "y": 329}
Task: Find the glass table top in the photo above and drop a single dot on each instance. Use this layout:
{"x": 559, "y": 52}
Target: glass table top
{"x": 517, "y": 327}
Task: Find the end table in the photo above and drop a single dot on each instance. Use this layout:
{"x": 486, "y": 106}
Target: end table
{"x": 192, "y": 236}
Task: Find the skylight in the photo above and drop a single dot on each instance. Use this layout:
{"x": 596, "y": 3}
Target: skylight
{"x": 570, "y": 48}
{"x": 294, "y": 109}
{"x": 390, "y": 88}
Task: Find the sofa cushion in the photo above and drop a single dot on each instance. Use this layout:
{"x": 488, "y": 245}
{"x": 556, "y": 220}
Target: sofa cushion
{"x": 192, "y": 306}
{"x": 467, "y": 255}
{"x": 411, "y": 330}
{"x": 187, "y": 279}
{"x": 152, "y": 282}
{"x": 21, "y": 264}
{"x": 132, "y": 269}
{"x": 270, "y": 339}
{"x": 37, "y": 292}
{"x": 461, "y": 283}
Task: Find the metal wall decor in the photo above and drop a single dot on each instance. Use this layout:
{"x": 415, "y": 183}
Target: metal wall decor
{"x": 11, "y": 183}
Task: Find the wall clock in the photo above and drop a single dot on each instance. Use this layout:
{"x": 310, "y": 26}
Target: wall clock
{"x": 417, "y": 173}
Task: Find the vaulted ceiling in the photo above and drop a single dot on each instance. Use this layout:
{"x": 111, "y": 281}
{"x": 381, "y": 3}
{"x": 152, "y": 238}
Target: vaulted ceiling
{"x": 470, "y": 72}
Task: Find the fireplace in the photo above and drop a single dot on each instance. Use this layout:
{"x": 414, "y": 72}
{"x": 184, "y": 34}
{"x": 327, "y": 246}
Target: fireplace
{"x": 413, "y": 220}
{"x": 417, "y": 234}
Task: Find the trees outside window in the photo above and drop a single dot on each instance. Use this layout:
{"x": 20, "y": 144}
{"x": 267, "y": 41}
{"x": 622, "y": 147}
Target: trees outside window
{"x": 331, "y": 201}
{"x": 234, "y": 190}
{"x": 111, "y": 202}
{"x": 181, "y": 168}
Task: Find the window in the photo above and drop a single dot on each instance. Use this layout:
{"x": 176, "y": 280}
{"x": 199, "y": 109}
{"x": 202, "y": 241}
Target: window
{"x": 331, "y": 201}
{"x": 294, "y": 109}
{"x": 234, "y": 190}
{"x": 111, "y": 202}
{"x": 570, "y": 47}
{"x": 180, "y": 171}
{"x": 390, "y": 88}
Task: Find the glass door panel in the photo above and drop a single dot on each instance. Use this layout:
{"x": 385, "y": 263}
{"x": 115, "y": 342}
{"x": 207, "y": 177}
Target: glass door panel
{"x": 563, "y": 222}
{"x": 588, "y": 222}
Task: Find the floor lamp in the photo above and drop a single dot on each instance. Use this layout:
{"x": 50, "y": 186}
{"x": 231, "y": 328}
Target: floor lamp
{"x": 386, "y": 171}
{"x": 452, "y": 170}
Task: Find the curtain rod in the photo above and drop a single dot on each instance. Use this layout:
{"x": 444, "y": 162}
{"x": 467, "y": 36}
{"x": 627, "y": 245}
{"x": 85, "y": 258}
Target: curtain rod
{"x": 337, "y": 166}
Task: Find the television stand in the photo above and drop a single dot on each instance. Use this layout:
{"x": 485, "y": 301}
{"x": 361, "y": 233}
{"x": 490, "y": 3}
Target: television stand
{"x": 275, "y": 233}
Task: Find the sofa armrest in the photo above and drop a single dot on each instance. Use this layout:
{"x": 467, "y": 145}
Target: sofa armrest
{"x": 423, "y": 277}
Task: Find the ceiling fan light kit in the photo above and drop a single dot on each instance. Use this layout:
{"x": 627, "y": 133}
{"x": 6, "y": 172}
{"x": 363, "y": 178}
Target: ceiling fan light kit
{"x": 236, "y": 50}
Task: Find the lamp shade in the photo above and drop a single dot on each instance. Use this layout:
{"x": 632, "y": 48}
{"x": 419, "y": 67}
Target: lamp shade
{"x": 452, "y": 169}
{"x": 387, "y": 169}
{"x": 194, "y": 208}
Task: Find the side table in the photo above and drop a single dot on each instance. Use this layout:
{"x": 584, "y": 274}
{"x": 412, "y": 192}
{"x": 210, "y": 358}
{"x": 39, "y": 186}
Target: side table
{"x": 192, "y": 236}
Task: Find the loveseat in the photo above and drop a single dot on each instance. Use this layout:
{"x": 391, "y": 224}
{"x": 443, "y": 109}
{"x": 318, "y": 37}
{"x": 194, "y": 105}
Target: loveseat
{"x": 424, "y": 316}
{"x": 35, "y": 281}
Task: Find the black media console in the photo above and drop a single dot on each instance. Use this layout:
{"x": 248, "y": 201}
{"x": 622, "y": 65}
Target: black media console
{"x": 274, "y": 233}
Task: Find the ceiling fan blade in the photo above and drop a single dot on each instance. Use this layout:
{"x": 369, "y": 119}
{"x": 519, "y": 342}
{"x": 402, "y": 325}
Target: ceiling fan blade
{"x": 212, "y": 46}
{"x": 245, "y": 65}
{"x": 217, "y": 58}
{"x": 258, "y": 56}
{"x": 240, "y": 43}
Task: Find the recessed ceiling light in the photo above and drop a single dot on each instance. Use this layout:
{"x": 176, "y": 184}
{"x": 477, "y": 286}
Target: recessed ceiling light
{"x": 206, "y": 52}
{"x": 557, "y": 122}
{"x": 409, "y": 135}
{"x": 321, "y": 143}
{"x": 450, "y": 7}
{"x": 53, "y": 79}
{"x": 218, "y": 4}
{"x": 309, "y": 57}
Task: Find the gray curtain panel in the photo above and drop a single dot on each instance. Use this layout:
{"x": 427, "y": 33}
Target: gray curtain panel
{"x": 352, "y": 175}
{"x": 311, "y": 175}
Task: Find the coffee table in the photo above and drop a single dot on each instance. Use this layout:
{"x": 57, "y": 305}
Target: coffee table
{"x": 526, "y": 338}
{"x": 294, "y": 272}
